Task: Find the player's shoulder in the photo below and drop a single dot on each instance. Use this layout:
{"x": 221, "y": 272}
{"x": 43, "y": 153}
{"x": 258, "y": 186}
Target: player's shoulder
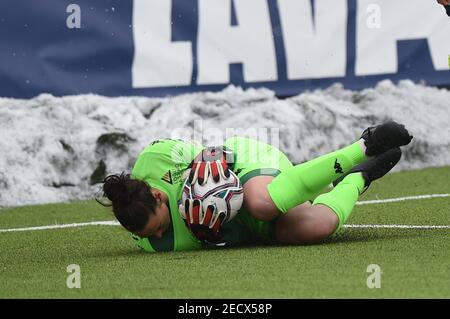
{"x": 160, "y": 146}
{"x": 168, "y": 143}
{"x": 175, "y": 150}
{"x": 161, "y": 143}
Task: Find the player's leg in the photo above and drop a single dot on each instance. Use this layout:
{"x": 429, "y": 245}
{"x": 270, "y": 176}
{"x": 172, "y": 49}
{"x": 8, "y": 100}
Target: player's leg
{"x": 297, "y": 184}
{"x": 257, "y": 199}
{"x": 256, "y": 164}
{"x": 302, "y": 182}
{"x": 305, "y": 224}
{"x": 266, "y": 197}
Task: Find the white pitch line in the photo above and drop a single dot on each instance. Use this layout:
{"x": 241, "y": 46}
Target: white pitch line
{"x": 400, "y": 226}
{"x": 102, "y": 223}
{"x": 401, "y": 199}
{"x": 114, "y": 223}
{"x": 379, "y": 201}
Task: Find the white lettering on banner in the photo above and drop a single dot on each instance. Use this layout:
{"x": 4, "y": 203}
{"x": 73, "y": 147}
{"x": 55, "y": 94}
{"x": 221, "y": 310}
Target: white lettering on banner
{"x": 157, "y": 61}
{"x": 376, "y": 48}
{"x": 315, "y": 46}
{"x": 250, "y": 42}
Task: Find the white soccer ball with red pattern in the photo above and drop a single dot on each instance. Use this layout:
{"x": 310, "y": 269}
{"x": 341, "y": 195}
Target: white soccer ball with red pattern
{"x": 226, "y": 195}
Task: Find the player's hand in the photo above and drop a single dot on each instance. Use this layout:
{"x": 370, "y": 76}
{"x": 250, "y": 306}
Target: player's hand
{"x": 205, "y": 224}
{"x": 444, "y": 2}
{"x": 212, "y": 160}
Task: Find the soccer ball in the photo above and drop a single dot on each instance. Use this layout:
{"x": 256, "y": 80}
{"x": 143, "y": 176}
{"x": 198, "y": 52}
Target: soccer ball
{"x": 226, "y": 195}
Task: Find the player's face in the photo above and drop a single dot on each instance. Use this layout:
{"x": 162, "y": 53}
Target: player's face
{"x": 158, "y": 223}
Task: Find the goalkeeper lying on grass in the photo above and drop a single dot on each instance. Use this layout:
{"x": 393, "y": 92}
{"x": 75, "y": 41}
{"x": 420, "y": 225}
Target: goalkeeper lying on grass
{"x": 276, "y": 207}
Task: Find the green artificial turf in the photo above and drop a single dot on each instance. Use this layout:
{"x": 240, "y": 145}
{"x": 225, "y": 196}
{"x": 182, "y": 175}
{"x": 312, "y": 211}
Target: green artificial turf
{"x": 415, "y": 263}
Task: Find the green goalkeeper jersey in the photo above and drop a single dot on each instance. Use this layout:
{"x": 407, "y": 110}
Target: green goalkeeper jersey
{"x": 162, "y": 164}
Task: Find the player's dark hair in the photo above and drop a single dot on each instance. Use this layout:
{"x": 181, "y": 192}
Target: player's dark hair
{"x": 131, "y": 200}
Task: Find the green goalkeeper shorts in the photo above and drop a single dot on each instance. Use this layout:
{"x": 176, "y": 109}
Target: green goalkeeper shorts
{"x": 253, "y": 158}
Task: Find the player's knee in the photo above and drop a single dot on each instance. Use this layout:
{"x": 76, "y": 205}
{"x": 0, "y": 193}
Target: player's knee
{"x": 316, "y": 229}
{"x": 257, "y": 199}
{"x": 324, "y": 230}
{"x": 261, "y": 208}
{"x": 325, "y": 227}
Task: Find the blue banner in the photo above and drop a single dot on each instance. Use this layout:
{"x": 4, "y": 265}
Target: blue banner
{"x": 167, "y": 47}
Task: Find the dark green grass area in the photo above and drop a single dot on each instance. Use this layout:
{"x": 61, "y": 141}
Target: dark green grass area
{"x": 415, "y": 263}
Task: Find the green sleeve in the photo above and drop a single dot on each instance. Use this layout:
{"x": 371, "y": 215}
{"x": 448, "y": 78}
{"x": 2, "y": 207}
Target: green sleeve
{"x": 163, "y": 162}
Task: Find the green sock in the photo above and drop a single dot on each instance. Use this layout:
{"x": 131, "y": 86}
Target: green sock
{"x": 343, "y": 197}
{"x": 302, "y": 182}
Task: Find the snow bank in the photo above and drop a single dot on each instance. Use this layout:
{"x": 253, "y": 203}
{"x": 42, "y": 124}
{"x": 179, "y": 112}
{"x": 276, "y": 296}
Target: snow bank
{"x": 56, "y": 149}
